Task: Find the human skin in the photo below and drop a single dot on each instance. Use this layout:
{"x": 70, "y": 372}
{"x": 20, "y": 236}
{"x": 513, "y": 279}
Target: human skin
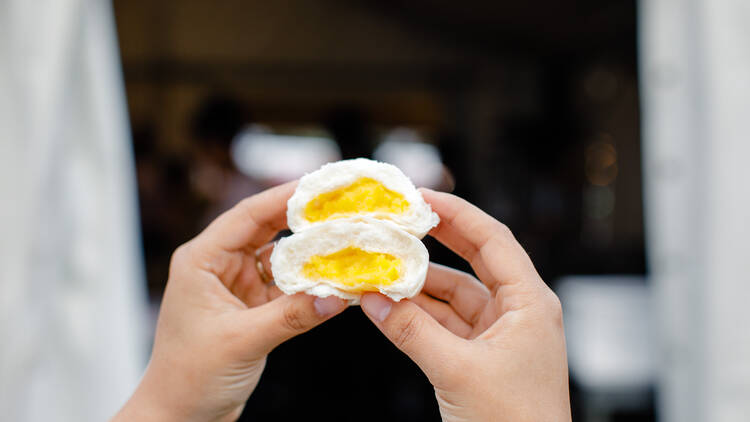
{"x": 218, "y": 319}
{"x": 493, "y": 350}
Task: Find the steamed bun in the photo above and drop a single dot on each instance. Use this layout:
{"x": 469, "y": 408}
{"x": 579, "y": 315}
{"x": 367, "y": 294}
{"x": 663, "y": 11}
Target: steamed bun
{"x": 359, "y": 188}
{"x": 347, "y": 257}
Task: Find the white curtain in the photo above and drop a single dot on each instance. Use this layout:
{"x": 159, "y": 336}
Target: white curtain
{"x": 72, "y": 302}
{"x": 695, "y": 74}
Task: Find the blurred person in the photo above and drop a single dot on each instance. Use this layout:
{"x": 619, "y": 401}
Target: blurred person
{"x": 72, "y": 303}
{"x": 168, "y": 208}
{"x": 492, "y": 350}
{"x": 695, "y": 80}
{"x": 214, "y": 177}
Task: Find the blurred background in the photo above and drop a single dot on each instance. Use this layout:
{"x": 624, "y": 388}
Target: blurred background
{"x": 527, "y": 109}
{"x": 567, "y": 121}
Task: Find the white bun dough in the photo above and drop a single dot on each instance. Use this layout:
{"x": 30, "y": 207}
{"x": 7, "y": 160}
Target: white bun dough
{"x": 371, "y": 235}
{"x": 417, "y": 219}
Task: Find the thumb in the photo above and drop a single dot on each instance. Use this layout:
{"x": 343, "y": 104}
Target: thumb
{"x": 287, "y": 316}
{"x": 412, "y": 330}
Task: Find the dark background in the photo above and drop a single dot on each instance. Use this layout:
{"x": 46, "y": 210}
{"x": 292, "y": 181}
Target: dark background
{"x": 533, "y": 106}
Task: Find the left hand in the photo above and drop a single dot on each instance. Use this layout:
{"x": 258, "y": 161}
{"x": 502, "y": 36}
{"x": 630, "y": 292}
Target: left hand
{"x": 219, "y": 320}
{"x": 493, "y": 349}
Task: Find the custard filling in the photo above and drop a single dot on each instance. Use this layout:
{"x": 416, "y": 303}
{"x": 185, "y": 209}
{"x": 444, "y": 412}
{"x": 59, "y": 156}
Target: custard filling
{"x": 354, "y": 268}
{"x": 365, "y": 195}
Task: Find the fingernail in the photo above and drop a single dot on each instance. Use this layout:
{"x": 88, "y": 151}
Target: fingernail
{"x": 326, "y": 306}
{"x": 376, "y": 306}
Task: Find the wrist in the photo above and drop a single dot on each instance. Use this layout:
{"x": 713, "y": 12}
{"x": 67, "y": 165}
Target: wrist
{"x": 476, "y": 407}
{"x": 140, "y": 407}
{"x": 149, "y": 403}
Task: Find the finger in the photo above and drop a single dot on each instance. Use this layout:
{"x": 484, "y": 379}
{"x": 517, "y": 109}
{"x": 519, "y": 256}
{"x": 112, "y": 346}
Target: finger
{"x": 264, "y": 256}
{"x": 285, "y": 317}
{"x": 444, "y": 314}
{"x": 249, "y": 285}
{"x": 484, "y": 242}
{"x": 252, "y": 222}
{"x": 273, "y": 292}
{"x": 465, "y": 294}
{"x": 254, "y": 278}
{"x": 413, "y": 331}
{"x": 263, "y": 263}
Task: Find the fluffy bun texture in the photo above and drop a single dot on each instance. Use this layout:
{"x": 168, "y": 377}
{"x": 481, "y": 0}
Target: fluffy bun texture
{"x": 291, "y": 255}
{"x": 415, "y": 217}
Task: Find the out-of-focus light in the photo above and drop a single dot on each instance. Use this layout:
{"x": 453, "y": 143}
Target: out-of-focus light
{"x": 601, "y": 163}
{"x": 610, "y": 333}
{"x": 280, "y": 158}
{"x": 419, "y": 160}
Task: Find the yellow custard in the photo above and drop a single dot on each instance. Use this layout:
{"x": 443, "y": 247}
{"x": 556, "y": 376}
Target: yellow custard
{"x": 354, "y": 268}
{"x": 366, "y": 195}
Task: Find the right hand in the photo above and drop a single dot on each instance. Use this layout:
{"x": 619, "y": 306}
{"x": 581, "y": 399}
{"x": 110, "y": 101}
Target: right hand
{"x": 219, "y": 319}
{"x": 493, "y": 350}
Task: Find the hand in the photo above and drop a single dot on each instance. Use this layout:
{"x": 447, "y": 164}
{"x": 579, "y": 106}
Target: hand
{"x": 219, "y": 320}
{"x": 493, "y": 351}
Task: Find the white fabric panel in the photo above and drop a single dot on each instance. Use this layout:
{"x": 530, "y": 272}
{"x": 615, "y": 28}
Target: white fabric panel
{"x": 72, "y": 302}
{"x": 695, "y": 73}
